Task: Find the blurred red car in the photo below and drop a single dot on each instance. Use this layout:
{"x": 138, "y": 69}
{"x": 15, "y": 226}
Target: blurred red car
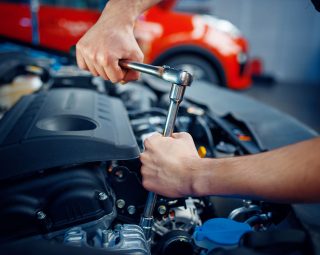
{"x": 211, "y": 48}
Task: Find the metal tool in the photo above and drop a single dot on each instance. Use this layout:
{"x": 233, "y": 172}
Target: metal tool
{"x": 180, "y": 80}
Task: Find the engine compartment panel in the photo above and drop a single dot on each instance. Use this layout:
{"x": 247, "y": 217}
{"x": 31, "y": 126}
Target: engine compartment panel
{"x": 62, "y": 127}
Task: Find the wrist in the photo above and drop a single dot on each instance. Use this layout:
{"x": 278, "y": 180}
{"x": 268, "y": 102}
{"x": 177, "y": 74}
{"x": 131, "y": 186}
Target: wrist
{"x": 199, "y": 172}
{"x": 214, "y": 177}
{"x": 123, "y": 11}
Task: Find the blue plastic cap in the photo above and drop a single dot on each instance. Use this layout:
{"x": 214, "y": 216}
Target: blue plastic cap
{"x": 221, "y": 231}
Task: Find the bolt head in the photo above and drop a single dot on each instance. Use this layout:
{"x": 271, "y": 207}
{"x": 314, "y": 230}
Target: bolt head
{"x": 131, "y": 209}
{"x": 162, "y": 209}
{"x": 41, "y": 215}
{"x": 103, "y": 196}
{"x": 120, "y": 203}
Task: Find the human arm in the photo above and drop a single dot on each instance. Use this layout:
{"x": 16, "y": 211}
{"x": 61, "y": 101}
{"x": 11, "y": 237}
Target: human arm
{"x": 112, "y": 39}
{"x": 172, "y": 168}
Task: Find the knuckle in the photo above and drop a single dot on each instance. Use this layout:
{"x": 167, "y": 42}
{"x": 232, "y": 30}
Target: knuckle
{"x": 101, "y": 60}
{"x": 91, "y": 55}
{"x": 185, "y": 135}
{"x": 109, "y": 58}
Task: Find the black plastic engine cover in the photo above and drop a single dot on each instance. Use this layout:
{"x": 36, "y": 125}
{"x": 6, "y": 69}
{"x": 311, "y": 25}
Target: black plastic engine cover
{"x": 54, "y": 200}
{"x": 64, "y": 127}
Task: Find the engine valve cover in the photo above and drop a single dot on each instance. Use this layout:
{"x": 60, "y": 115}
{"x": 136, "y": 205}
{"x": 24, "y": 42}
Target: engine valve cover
{"x": 64, "y": 127}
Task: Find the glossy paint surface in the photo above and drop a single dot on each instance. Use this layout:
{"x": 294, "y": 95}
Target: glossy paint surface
{"x": 157, "y": 31}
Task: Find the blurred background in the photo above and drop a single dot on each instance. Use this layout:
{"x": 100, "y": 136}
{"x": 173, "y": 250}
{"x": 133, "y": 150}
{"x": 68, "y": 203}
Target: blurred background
{"x": 285, "y": 35}
{"x": 269, "y": 50}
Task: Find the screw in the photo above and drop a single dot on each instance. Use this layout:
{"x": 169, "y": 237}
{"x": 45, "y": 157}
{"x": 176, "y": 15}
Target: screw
{"x": 41, "y": 215}
{"x": 131, "y": 209}
{"x": 162, "y": 209}
{"x": 103, "y": 196}
{"x": 120, "y": 203}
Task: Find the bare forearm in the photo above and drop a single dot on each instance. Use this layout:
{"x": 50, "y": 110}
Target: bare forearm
{"x": 288, "y": 174}
{"x": 126, "y": 10}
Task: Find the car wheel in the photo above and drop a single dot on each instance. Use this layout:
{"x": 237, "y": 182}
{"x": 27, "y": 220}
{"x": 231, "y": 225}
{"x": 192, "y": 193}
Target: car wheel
{"x": 200, "y": 68}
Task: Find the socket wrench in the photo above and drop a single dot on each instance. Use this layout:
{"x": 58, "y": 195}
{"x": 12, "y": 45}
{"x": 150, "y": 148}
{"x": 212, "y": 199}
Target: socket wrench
{"x": 180, "y": 80}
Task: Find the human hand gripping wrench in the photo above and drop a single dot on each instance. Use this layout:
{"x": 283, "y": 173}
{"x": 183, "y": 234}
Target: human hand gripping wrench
{"x": 180, "y": 80}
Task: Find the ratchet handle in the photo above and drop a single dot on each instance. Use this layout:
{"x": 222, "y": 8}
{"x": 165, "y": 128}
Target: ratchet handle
{"x": 166, "y": 73}
{"x": 143, "y": 68}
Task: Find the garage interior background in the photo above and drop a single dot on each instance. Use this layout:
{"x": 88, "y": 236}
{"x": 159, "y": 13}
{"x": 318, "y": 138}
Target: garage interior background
{"x": 285, "y": 34}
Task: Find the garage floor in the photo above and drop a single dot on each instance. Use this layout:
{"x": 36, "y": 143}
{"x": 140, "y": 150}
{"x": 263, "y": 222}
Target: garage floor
{"x": 299, "y": 100}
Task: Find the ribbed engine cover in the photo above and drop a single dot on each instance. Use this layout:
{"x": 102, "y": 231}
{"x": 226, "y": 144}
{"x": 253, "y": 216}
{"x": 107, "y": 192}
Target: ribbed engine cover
{"x": 62, "y": 127}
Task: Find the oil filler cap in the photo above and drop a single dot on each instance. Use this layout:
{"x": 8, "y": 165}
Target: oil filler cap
{"x": 220, "y": 233}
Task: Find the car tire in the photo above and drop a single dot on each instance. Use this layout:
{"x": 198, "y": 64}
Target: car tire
{"x": 199, "y": 67}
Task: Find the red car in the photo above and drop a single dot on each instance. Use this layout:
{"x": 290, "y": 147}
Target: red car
{"x": 211, "y": 48}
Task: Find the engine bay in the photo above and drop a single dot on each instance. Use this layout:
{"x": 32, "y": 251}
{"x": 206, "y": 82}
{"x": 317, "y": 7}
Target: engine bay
{"x": 70, "y": 174}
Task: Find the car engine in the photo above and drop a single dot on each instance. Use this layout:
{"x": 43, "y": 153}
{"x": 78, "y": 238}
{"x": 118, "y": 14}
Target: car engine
{"x": 70, "y": 172}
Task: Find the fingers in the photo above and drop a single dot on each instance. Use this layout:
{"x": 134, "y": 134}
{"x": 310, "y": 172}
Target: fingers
{"x": 101, "y": 72}
{"x": 144, "y": 158}
{"x": 151, "y": 141}
{"x": 91, "y": 68}
{"x": 155, "y": 140}
{"x": 131, "y": 76}
{"x": 106, "y": 64}
{"x": 80, "y": 61}
{"x": 113, "y": 70}
{"x": 83, "y": 61}
{"x": 103, "y": 45}
{"x": 181, "y": 135}
{"x": 137, "y": 56}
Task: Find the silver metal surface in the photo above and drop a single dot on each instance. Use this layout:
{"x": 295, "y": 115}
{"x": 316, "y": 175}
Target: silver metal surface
{"x": 162, "y": 209}
{"x": 185, "y": 218}
{"x": 102, "y": 196}
{"x": 179, "y": 79}
{"x": 146, "y": 223}
{"x": 123, "y": 239}
{"x": 126, "y": 239}
{"x": 120, "y": 203}
{"x": 131, "y": 209}
{"x": 244, "y": 210}
{"x": 76, "y": 237}
{"x": 166, "y": 73}
{"x": 41, "y": 215}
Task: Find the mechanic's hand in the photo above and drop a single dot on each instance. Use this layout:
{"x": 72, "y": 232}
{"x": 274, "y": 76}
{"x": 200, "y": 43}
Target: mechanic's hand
{"x": 166, "y": 164}
{"x": 108, "y": 41}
